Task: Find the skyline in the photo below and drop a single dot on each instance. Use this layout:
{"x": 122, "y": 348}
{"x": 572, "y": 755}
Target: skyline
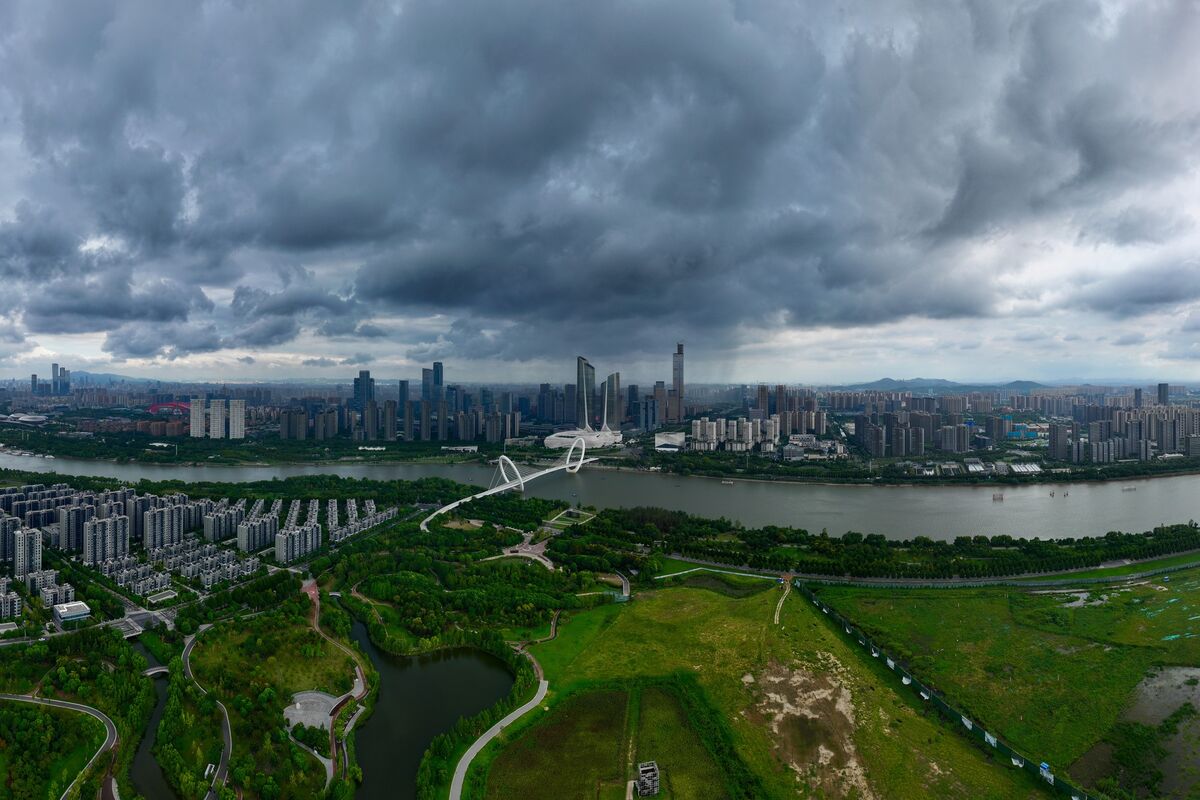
{"x": 796, "y": 192}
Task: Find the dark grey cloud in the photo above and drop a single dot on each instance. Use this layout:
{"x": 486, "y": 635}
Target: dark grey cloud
{"x": 544, "y": 179}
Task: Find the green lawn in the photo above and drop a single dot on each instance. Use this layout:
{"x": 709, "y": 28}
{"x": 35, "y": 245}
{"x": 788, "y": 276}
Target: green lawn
{"x": 665, "y": 736}
{"x": 573, "y": 753}
{"x": 758, "y": 676}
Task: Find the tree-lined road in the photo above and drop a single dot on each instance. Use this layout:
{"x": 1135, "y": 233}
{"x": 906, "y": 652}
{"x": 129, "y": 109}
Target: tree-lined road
{"x": 110, "y": 738}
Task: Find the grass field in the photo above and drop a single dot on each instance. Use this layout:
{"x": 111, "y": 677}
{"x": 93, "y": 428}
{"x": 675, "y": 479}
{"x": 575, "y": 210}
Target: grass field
{"x": 1050, "y": 671}
{"x": 576, "y": 752}
{"x": 665, "y": 737}
{"x": 807, "y": 715}
{"x": 1122, "y": 570}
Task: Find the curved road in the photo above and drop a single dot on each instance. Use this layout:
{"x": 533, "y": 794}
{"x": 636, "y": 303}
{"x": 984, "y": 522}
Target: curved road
{"x": 110, "y": 739}
{"x": 226, "y": 732}
{"x": 464, "y": 763}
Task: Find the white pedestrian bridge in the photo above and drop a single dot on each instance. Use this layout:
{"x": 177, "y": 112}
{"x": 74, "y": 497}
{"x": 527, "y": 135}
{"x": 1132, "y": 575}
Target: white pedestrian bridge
{"x": 516, "y": 480}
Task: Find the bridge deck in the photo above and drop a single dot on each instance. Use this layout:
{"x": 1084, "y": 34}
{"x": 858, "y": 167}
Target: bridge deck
{"x": 504, "y": 487}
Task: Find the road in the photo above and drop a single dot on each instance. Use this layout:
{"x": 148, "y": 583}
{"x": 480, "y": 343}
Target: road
{"x": 110, "y": 738}
{"x": 226, "y": 732}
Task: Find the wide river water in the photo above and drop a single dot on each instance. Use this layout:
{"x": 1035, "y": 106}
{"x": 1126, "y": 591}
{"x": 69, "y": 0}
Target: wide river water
{"x": 940, "y": 512}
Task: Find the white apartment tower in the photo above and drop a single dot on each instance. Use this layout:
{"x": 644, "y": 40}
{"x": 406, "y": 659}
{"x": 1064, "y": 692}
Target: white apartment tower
{"x": 237, "y": 419}
{"x": 196, "y": 410}
{"x": 216, "y": 419}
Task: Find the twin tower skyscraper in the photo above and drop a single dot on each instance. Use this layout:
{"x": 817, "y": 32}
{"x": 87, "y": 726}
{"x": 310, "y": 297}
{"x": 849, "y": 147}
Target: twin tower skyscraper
{"x": 608, "y": 411}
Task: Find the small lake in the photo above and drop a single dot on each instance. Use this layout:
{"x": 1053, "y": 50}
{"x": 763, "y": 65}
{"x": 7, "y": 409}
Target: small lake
{"x": 419, "y": 697}
{"x": 147, "y": 775}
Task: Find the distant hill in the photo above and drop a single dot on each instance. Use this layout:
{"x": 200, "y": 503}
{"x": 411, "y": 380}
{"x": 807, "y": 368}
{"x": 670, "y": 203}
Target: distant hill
{"x": 941, "y": 385}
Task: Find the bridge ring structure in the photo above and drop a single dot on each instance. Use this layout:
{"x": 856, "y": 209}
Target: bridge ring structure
{"x": 518, "y": 481}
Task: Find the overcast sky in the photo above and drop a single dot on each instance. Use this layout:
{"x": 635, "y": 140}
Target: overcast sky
{"x": 803, "y": 191}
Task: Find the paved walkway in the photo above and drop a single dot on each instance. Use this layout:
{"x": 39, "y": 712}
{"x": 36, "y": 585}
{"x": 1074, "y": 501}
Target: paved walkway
{"x": 110, "y": 731}
{"x": 226, "y": 731}
{"x": 464, "y": 763}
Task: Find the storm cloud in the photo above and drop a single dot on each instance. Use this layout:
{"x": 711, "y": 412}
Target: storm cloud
{"x": 339, "y": 184}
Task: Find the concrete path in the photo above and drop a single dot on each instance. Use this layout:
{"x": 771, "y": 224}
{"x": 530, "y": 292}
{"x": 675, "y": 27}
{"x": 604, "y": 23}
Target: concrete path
{"x": 327, "y": 763}
{"x": 226, "y": 731}
{"x": 110, "y": 737}
{"x": 464, "y": 763}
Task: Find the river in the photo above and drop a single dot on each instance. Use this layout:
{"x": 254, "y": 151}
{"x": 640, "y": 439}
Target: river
{"x": 941, "y": 512}
{"x": 147, "y": 775}
{"x": 419, "y": 697}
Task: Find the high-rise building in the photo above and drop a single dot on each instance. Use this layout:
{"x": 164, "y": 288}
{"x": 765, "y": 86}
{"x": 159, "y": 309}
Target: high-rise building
{"x": 585, "y": 390}
{"x": 439, "y": 383}
{"x": 1059, "y": 445}
{"x": 364, "y": 389}
{"x": 612, "y": 402}
{"x": 1137, "y": 398}
{"x": 237, "y": 419}
{"x": 370, "y": 420}
{"x": 105, "y": 539}
{"x": 1164, "y": 394}
{"x": 27, "y": 552}
{"x": 196, "y": 415}
{"x": 426, "y": 385}
{"x": 402, "y": 395}
{"x": 216, "y": 419}
{"x": 389, "y": 420}
{"x": 677, "y": 382}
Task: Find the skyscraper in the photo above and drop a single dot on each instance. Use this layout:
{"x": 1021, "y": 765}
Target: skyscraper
{"x": 1164, "y": 394}
{"x": 426, "y": 385}
{"x": 364, "y": 389}
{"x": 216, "y": 419}
{"x": 237, "y": 419}
{"x": 196, "y": 414}
{"x": 585, "y": 390}
{"x": 438, "y": 381}
{"x": 677, "y": 381}
{"x": 612, "y": 401}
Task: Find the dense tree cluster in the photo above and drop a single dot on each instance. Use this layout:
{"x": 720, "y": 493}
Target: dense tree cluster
{"x": 96, "y": 667}
{"x": 33, "y": 739}
{"x": 618, "y": 534}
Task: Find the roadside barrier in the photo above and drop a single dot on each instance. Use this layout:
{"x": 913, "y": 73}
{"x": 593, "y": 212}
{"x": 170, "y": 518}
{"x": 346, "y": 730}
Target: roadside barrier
{"x": 965, "y": 724}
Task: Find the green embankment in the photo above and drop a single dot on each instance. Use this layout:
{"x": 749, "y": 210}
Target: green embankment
{"x": 786, "y": 696}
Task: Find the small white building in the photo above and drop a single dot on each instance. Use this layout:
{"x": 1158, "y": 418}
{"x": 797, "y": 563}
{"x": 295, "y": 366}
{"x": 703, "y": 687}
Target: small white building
{"x": 70, "y": 612}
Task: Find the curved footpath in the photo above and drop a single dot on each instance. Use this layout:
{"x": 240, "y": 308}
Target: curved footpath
{"x": 360, "y": 681}
{"x": 110, "y": 739}
{"x": 464, "y": 763}
{"x": 226, "y": 732}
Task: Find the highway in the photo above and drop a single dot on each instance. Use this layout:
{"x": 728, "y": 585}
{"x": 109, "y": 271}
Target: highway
{"x": 110, "y": 739}
{"x": 226, "y": 732}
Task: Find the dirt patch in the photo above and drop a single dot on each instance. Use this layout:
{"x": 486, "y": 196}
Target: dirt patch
{"x": 812, "y": 717}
